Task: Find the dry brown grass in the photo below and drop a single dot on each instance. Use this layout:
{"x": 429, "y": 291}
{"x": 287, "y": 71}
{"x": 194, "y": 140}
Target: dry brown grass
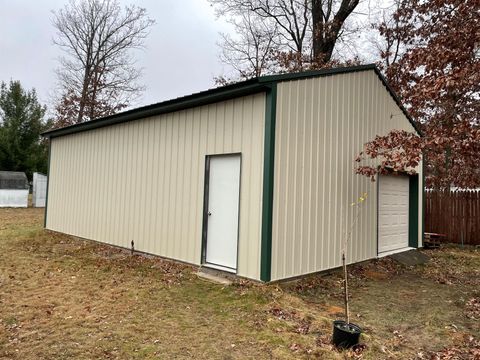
{"x": 63, "y": 298}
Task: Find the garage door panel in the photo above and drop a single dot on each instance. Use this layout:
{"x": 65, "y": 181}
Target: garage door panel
{"x": 393, "y": 213}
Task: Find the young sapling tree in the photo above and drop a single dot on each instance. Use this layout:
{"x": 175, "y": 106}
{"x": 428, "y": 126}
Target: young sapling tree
{"x": 357, "y": 205}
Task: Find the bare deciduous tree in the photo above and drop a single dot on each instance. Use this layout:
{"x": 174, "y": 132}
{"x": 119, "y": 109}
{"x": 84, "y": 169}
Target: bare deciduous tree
{"x": 250, "y": 52}
{"x": 391, "y": 29}
{"x": 98, "y": 75}
{"x": 304, "y": 32}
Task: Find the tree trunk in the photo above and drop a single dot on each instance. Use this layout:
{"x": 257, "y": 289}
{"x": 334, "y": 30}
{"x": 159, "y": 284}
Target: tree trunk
{"x": 318, "y": 28}
{"x": 83, "y": 97}
{"x": 345, "y": 275}
{"x": 325, "y": 34}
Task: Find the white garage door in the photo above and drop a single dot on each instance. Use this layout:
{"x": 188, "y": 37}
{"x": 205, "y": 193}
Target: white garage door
{"x": 393, "y": 213}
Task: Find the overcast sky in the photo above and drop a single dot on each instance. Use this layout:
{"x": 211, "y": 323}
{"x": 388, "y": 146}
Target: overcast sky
{"x": 181, "y": 56}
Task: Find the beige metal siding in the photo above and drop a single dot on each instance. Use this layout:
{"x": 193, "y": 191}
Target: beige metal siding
{"x": 321, "y": 125}
{"x": 144, "y": 180}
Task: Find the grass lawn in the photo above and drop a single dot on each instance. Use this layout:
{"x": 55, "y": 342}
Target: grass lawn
{"x": 64, "y": 298}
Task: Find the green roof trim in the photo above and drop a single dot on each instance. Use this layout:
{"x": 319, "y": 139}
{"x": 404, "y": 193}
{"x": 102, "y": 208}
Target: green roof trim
{"x": 247, "y": 87}
{"x": 203, "y": 98}
{"x": 315, "y": 73}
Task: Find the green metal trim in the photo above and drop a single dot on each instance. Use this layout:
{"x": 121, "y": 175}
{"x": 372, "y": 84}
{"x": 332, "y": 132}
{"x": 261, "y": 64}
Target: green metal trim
{"x": 203, "y": 98}
{"x": 413, "y": 212}
{"x": 48, "y": 181}
{"x": 424, "y": 197}
{"x": 315, "y": 73}
{"x": 268, "y": 167}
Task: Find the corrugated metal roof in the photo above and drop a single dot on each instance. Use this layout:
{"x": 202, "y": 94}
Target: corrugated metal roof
{"x": 13, "y": 180}
{"x": 242, "y": 88}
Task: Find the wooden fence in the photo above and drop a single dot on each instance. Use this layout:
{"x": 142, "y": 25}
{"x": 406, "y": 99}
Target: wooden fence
{"x": 455, "y": 214}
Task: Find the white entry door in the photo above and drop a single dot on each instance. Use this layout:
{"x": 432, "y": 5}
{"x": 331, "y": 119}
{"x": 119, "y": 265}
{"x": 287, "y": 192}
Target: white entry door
{"x": 222, "y": 212}
{"x": 393, "y": 205}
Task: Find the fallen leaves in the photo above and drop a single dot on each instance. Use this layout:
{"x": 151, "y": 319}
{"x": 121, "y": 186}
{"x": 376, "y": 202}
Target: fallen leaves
{"x": 104, "y": 291}
{"x": 472, "y": 308}
{"x": 469, "y": 349}
{"x": 357, "y": 351}
{"x": 294, "y": 347}
{"x": 464, "y": 271}
{"x": 303, "y": 327}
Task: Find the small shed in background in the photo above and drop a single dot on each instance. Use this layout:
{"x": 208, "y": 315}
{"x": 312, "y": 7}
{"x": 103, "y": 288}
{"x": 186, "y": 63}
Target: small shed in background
{"x": 39, "y": 190}
{"x": 13, "y": 189}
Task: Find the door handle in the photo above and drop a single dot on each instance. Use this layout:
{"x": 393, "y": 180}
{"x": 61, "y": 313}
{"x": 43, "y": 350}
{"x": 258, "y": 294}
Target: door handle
{"x": 209, "y": 213}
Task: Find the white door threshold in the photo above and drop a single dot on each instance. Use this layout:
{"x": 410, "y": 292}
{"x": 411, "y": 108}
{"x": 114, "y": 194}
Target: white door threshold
{"x": 219, "y": 267}
{"x": 391, "y": 252}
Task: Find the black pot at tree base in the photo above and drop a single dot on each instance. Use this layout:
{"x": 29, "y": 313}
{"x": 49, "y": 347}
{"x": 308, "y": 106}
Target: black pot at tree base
{"x": 345, "y": 335}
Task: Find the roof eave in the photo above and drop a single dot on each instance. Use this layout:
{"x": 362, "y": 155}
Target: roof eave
{"x": 315, "y": 73}
{"x": 207, "y": 97}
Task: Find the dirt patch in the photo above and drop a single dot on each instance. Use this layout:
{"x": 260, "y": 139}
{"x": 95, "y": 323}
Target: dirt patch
{"x": 375, "y": 275}
{"x": 335, "y": 311}
{"x": 21, "y": 217}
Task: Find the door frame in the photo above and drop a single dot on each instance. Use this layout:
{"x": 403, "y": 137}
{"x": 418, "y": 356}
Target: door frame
{"x": 413, "y": 183}
{"x": 206, "y": 188}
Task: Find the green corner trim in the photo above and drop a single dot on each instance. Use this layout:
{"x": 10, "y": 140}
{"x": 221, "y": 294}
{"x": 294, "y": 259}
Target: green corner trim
{"x": 423, "y": 200}
{"x": 268, "y": 167}
{"x": 48, "y": 181}
{"x": 413, "y": 212}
